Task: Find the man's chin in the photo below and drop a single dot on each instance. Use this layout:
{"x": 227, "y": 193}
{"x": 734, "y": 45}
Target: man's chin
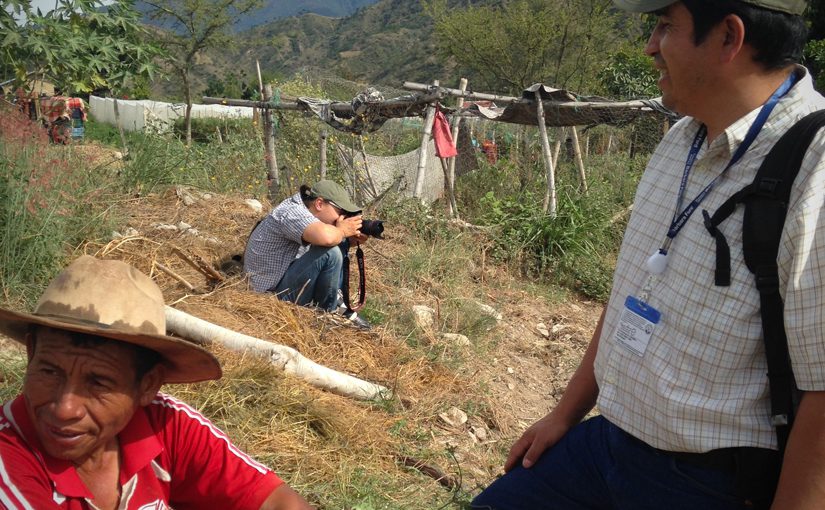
{"x": 670, "y": 104}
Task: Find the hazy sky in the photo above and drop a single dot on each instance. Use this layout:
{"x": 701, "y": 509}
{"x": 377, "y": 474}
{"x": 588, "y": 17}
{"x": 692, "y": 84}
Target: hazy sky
{"x": 44, "y": 5}
{"x": 48, "y": 5}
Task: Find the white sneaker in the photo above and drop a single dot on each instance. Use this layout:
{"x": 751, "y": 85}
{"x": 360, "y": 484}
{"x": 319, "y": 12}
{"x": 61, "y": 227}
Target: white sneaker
{"x": 357, "y": 321}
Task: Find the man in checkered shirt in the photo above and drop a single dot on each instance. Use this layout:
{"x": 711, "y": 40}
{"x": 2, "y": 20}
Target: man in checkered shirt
{"x": 294, "y": 250}
{"x": 677, "y": 365}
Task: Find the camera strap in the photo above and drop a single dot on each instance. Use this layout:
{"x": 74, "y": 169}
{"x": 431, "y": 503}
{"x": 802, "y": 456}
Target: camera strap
{"x": 362, "y": 280}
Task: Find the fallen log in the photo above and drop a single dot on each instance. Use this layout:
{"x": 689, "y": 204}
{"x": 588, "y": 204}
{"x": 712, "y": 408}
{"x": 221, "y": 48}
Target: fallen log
{"x": 286, "y": 358}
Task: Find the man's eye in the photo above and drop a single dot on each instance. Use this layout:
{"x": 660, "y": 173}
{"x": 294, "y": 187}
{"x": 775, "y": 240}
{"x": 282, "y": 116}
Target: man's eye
{"x": 101, "y": 382}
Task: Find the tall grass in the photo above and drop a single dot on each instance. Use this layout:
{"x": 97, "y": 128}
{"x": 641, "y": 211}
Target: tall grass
{"x": 49, "y": 202}
{"x": 577, "y": 247}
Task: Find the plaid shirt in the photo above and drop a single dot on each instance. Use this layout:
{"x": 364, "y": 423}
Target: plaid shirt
{"x": 60, "y": 107}
{"x": 276, "y": 242}
{"x": 701, "y": 383}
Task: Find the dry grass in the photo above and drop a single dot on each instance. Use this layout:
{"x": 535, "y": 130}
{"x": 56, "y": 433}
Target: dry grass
{"x": 341, "y": 453}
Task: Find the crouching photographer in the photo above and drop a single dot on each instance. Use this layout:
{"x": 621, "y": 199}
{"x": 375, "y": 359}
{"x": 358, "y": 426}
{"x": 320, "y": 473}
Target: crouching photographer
{"x": 298, "y": 250}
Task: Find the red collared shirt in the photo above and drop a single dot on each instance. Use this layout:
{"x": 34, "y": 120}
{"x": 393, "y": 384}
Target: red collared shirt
{"x": 172, "y": 456}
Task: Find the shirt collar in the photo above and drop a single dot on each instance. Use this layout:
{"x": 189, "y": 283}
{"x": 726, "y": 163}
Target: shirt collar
{"x": 138, "y": 444}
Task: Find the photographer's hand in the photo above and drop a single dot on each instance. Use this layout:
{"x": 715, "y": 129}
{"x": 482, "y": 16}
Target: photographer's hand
{"x": 359, "y": 238}
{"x": 349, "y": 226}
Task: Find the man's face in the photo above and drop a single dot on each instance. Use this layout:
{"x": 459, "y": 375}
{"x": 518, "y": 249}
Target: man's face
{"x": 684, "y": 79}
{"x": 80, "y": 398}
{"x": 328, "y": 212}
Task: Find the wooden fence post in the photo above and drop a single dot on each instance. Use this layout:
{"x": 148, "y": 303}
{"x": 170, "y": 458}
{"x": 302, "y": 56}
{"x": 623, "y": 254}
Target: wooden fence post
{"x": 577, "y": 152}
{"x": 273, "y": 179}
{"x": 452, "y": 206}
{"x": 549, "y": 203}
{"x": 323, "y": 154}
{"x": 422, "y": 153}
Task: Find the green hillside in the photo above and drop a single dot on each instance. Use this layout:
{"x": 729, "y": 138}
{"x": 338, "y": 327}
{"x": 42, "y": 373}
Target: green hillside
{"x": 386, "y": 43}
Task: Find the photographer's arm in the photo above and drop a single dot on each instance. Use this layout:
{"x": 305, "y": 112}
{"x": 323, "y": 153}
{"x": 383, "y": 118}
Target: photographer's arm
{"x": 322, "y": 234}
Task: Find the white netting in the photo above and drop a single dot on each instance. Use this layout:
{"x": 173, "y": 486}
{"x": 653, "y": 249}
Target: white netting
{"x": 372, "y": 176}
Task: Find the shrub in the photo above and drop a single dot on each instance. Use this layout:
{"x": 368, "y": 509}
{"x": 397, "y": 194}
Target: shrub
{"x": 49, "y": 203}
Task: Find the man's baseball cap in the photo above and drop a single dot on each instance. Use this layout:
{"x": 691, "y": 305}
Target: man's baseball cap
{"x": 795, "y": 7}
{"x": 335, "y": 193}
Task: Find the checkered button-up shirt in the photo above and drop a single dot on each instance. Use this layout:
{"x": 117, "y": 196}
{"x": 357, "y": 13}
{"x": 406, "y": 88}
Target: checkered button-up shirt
{"x": 701, "y": 383}
{"x": 276, "y": 242}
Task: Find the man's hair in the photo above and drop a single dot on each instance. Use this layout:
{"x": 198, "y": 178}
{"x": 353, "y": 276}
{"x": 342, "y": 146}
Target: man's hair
{"x": 307, "y": 195}
{"x": 777, "y": 37}
{"x": 143, "y": 359}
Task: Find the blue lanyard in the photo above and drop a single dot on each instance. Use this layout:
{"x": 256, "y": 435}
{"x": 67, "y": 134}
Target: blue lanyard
{"x": 680, "y": 219}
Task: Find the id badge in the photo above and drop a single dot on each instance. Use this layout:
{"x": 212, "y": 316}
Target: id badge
{"x": 636, "y": 325}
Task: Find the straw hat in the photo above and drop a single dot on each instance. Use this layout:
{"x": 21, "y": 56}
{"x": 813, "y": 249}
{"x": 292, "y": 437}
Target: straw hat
{"x": 112, "y": 299}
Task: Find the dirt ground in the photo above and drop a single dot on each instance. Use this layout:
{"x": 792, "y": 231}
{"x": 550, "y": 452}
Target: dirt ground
{"x": 519, "y": 378}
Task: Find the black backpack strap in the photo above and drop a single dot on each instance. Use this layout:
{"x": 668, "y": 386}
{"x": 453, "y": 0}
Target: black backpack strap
{"x": 766, "y": 203}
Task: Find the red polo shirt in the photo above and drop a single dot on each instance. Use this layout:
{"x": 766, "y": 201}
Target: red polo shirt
{"x": 171, "y": 456}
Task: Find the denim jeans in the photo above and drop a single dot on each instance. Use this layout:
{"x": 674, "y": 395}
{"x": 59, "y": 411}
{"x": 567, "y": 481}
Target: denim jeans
{"x": 313, "y": 278}
{"x": 599, "y": 466}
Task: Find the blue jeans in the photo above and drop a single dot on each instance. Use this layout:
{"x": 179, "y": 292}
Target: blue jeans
{"x": 598, "y": 466}
{"x": 313, "y": 278}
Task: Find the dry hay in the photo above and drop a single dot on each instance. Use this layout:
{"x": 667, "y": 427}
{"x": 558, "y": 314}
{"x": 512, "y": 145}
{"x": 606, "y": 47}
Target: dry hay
{"x": 314, "y": 437}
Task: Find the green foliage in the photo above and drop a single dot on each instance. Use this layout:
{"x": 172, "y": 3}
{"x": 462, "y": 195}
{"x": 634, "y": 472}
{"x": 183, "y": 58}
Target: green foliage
{"x": 157, "y": 161}
{"x": 205, "y": 130}
{"x": 12, "y": 369}
{"x": 48, "y": 204}
{"x": 815, "y": 60}
{"x": 511, "y": 45}
{"x": 192, "y": 27}
{"x": 232, "y": 86}
{"x": 629, "y": 75}
{"x": 107, "y": 134}
{"x": 577, "y": 247}
{"x": 82, "y": 45}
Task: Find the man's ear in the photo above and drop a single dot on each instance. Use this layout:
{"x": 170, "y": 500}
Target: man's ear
{"x": 318, "y": 203}
{"x": 733, "y": 37}
{"x": 31, "y": 343}
{"x": 150, "y": 384}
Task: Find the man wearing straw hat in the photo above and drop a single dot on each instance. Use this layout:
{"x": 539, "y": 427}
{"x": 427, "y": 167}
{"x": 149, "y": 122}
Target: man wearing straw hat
{"x": 294, "y": 250}
{"x": 677, "y": 364}
{"x": 91, "y": 431}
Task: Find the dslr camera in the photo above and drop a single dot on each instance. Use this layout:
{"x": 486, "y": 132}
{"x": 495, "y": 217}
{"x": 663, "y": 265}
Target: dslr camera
{"x": 372, "y": 228}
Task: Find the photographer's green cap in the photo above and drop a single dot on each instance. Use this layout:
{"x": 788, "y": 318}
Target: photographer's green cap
{"x": 334, "y": 192}
{"x": 796, "y": 7}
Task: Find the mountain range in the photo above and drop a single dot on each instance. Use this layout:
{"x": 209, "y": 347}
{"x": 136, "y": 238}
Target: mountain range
{"x": 384, "y": 43}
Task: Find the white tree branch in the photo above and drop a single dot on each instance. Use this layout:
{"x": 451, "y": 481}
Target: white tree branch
{"x": 286, "y": 358}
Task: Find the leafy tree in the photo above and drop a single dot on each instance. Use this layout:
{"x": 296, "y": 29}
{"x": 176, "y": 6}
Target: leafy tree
{"x": 629, "y": 75}
{"x": 82, "y": 45}
{"x": 815, "y": 49}
{"x": 191, "y": 26}
{"x": 509, "y": 46}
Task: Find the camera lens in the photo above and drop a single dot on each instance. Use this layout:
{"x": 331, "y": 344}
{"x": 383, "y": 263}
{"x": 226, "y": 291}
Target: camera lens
{"x": 374, "y": 228}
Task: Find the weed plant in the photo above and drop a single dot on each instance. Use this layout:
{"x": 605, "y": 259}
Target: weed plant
{"x": 107, "y": 134}
{"x": 577, "y": 247}
{"x": 50, "y": 201}
{"x": 158, "y": 161}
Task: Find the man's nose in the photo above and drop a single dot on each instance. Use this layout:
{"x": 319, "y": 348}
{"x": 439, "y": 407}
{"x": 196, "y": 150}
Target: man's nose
{"x": 652, "y": 46}
{"x": 69, "y": 404}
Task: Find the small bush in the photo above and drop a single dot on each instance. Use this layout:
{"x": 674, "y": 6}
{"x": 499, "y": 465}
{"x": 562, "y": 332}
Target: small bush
{"x": 235, "y": 165}
{"x": 49, "y": 203}
{"x": 205, "y": 130}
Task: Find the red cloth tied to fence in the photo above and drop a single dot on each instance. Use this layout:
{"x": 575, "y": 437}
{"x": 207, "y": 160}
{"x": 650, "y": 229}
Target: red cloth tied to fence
{"x": 444, "y": 146}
